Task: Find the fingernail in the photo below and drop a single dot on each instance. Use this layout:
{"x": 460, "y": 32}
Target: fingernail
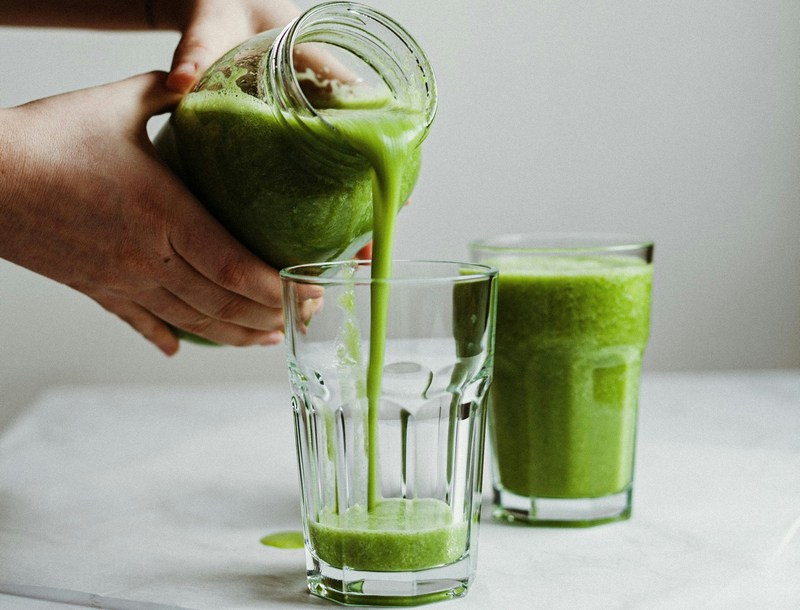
{"x": 309, "y": 307}
{"x": 169, "y": 349}
{"x": 186, "y": 67}
{"x": 181, "y": 78}
{"x": 313, "y": 292}
{"x": 272, "y": 338}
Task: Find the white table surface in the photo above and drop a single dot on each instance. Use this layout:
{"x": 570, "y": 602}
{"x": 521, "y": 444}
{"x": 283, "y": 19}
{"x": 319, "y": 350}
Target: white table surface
{"x": 157, "y": 496}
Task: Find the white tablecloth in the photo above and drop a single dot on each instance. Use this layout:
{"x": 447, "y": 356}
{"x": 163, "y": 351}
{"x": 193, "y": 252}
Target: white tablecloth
{"x": 157, "y": 496}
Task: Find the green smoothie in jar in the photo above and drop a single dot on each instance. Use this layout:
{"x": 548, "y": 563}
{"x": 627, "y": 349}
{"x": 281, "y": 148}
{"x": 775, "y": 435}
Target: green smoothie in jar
{"x": 292, "y": 191}
{"x": 244, "y": 165}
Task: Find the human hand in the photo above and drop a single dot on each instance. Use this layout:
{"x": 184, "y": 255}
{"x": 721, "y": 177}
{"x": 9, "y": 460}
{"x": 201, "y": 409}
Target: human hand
{"x": 85, "y": 200}
{"x": 209, "y": 28}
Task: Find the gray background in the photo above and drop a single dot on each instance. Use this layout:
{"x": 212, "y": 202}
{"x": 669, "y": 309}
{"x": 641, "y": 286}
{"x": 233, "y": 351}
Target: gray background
{"x": 675, "y": 120}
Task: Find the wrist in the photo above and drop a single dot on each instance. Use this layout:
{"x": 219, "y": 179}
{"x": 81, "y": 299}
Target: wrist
{"x": 9, "y": 152}
{"x": 14, "y": 168}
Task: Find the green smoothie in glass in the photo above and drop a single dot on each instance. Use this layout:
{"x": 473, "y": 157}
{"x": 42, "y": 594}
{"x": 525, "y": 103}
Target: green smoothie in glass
{"x": 396, "y": 535}
{"x": 573, "y": 320}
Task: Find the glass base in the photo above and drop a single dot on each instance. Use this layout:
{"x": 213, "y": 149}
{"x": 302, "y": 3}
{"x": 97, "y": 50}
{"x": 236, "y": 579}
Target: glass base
{"x": 363, "y": 588}
{"x": 562, "y": 512}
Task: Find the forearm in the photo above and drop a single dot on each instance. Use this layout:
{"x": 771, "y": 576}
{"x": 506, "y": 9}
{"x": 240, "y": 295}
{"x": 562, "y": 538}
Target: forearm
{"x": 16, "y": 169}
{"x": 94, "y": 14}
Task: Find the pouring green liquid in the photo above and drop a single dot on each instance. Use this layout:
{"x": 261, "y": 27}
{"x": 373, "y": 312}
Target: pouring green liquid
{"x": 419, "y": 533}
{"x": 386, "y": 139}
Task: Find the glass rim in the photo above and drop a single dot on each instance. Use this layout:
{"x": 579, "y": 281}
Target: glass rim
{"x": 356, "y": 18}
{"x": 476, "y": 271}
{"x": 560, "y": 242}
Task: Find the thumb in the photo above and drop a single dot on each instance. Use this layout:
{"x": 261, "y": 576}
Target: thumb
{"x": 147, "y": 95}
{"x": 191, "y": 58}
{"x": 214, "y": 28}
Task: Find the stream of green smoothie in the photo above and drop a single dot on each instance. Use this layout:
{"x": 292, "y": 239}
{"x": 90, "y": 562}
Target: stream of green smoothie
{"x": 386, "y": 138}
{"x": 391, "y": 534}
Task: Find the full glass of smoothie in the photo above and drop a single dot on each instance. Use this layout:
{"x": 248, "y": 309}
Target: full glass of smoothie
{"x": 389, "y": 380}
{"x": 573, "y": 319}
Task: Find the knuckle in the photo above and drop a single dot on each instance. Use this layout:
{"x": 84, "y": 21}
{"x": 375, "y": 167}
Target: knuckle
{"x": 231, "y": 309}
{"x": 104, "y": 280}
{"x": 231, "y": 274}
{"x": 192, "y": 42}
{"x": 242, "y": 341}
{"x": 197, "y": 326}
{"x": 273, "y": 296}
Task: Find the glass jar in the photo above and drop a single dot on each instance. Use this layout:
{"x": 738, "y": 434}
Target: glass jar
{"x": 257, "y": 139}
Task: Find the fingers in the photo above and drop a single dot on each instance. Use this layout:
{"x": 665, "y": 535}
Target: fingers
{"x": 321, "y": 61}
{"x": 126, "y": 104}
{"x": 178, "y": 313}
{"x": 211, "y": 31}
{"x": 148, "y": 325}
{"x": 211, "y": 285}
{"x": 154, "y": 329}
{"x": 308, "y": 308}
{"x": 221, "y": 290}
{"x": 214, "y": 301}
{"x": 155, "y": 96}
{"x": 143, "y": 96}
{"x": 190, "y": 60}
{"x": 303, "y": 311}
{"x": 228, "y": 264}
{"x": 365, "y": 253}
{"x": 197, "y": 48}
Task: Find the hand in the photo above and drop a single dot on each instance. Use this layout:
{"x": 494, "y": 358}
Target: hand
{"x": 85, "y": 201}
{"x": 212, "y": 27}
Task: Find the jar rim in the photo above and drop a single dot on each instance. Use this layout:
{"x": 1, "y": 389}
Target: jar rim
{"x": 282, "y": 79}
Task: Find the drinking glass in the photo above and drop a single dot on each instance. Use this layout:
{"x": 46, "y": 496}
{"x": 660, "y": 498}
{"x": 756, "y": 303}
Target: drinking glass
{"x": 389, "y": 379}
{"x": 573, "y": 319}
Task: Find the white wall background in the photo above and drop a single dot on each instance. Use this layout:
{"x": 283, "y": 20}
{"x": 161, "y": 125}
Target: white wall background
{"x": 677, "y": 120}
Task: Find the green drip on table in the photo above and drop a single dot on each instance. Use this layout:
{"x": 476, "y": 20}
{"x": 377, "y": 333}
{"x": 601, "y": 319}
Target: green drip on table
{"x": 284, "y": 540}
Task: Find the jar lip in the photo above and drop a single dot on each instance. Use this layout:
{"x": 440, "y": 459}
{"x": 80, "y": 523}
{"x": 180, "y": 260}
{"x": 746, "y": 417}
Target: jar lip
{"x": 344, "y": 14}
